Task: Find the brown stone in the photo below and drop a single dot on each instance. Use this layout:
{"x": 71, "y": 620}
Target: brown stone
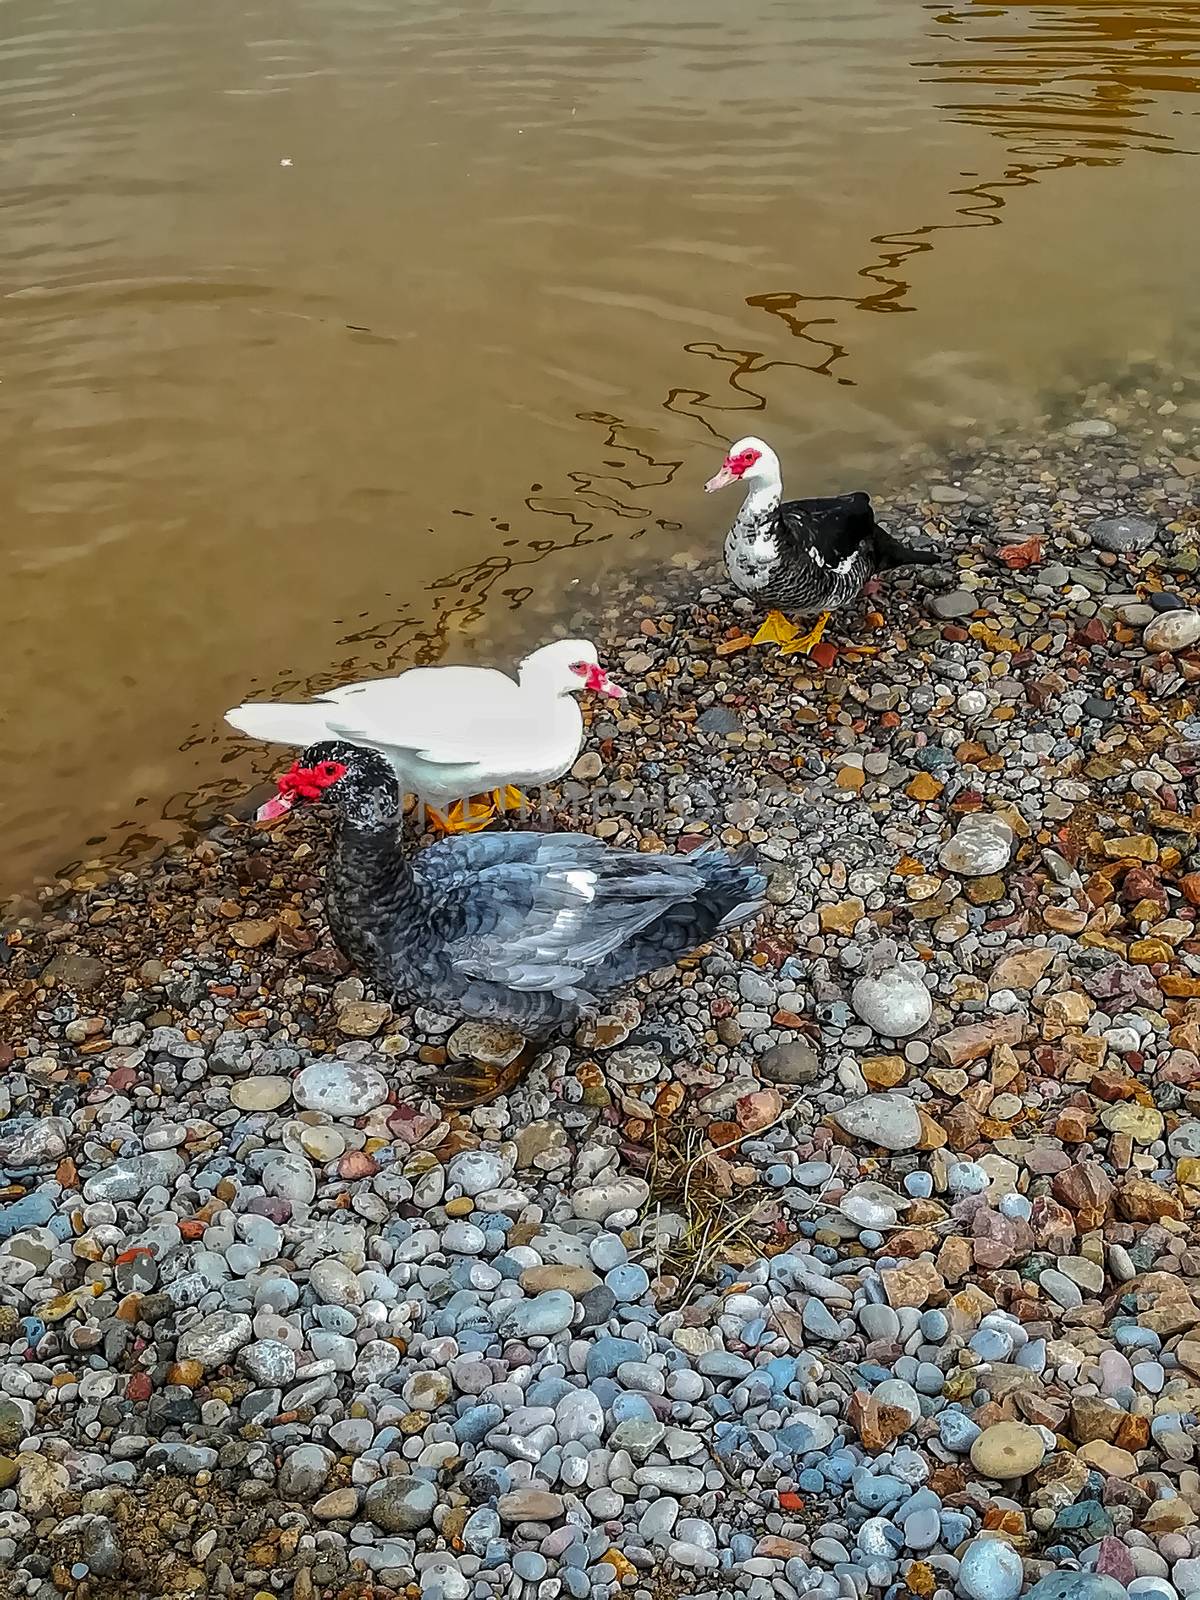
{"x": 1053, "y": 1225}
{"x": 1073, "y": 1125}
{"x": 1147, "y": 952}
{"x": 933, "y": 1135}
{"x": 186, "y": 1374}
{"x": 252, "y": 932}
{"x": 884, "y": 1072}
{"x": 912, "y": 1242}
{"x": 999, "y": 1240}
{"x": 924, "y": 787}
{"x": 948, "y": 1481}
{"x": 962, "y": 1124}
{"x": 975, "y": 1040}
{"x": 1085, "y": 1190}
{"x": 1143, "y": 1200}
{"x": 1108, "y": 1459}
{"x": 1167, "y": 1516}
{"x": 1020, "y": 969}
{"x": 1131, "y": 847}
{"x": 920, "y": 1579}
{"x": 1057, "y": 1483}
{"x": 843, "y": 917}
{"x": 1070, "y": 1009}
{"x": 876, "y": 1424}
{"x": 1093, "y": 1418}
{"x": 955, "y": 1258}
{"x": 1133, "y": 1434}
{"x": 914, "y": 1284}
{"x": 1111, "y": 1085}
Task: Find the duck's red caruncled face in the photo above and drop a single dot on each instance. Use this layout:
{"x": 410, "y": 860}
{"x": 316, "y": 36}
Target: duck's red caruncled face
{"x": 733, "y": 468}
{"x": 300, "y": 783}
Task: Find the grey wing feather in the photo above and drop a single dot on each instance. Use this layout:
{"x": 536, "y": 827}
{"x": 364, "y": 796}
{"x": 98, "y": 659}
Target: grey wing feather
{"x": 563, "y": 910}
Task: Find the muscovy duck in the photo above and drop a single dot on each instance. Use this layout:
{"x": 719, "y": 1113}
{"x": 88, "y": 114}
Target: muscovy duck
{"x": 453, "y": 732}
{"x": 801, "y": 556}
{"x": 524, "y": 928}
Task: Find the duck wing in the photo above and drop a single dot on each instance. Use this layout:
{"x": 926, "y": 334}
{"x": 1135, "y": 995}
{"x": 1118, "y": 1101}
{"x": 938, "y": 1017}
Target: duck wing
{"x": 444, "y": 715}
{"x": 829, "y": 530}
{"x": 532, "y": 912}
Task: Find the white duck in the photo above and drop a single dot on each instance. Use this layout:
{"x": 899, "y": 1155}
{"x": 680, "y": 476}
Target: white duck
{"x": 454, "y": 732}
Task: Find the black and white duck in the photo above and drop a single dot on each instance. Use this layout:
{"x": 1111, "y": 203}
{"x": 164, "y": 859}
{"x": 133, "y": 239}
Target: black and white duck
{"x": 527, "y": 929}
{"x": 804, "y": 557}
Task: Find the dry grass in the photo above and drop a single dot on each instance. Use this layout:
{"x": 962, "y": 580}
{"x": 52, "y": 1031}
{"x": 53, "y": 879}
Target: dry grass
{"x": 691, "y": 1178}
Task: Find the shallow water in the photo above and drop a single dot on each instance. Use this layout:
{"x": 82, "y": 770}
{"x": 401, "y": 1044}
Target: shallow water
{"x": 336, "y": 333}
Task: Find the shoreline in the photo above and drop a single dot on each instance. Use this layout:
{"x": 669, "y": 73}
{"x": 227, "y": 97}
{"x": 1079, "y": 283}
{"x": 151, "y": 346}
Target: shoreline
{"x": 858, "y": 1251}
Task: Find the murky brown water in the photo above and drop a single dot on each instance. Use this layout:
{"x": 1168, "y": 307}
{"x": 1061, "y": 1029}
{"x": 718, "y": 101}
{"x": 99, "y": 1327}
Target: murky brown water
{"x": 335, "y": 329}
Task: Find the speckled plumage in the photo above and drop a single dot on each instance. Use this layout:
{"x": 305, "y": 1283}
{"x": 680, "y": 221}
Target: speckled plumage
{"x": 524, "y": 928}
{"x": 803, "y": 557}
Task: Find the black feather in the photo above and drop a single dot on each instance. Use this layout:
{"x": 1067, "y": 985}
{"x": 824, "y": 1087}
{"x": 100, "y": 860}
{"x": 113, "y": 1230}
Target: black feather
{"x": 806, "y": 556}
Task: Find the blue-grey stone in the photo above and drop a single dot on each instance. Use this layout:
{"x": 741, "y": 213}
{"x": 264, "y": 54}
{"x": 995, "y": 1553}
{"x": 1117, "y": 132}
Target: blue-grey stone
{"x": 991, "y": 1344}
{"x": 1032, "y": 1356}
{"x": 991, "y": 1569}
{"x": 607, "y": 1354}
{"x": 956, "y": 1431}
{"x": 819, "y": 1321}
{"x": 480, "y": 1529}
{"x": 934, "y": 1326}
{"x": 877, "y": 1491}
{"x": 628, "y": 1282}
{"x": 929, "y": 1379}
{"x": 545, "y": 1315}
{"x": 922, "y": 1528}
{"x": 1076, "y": 1586}
{"x": 723, "y": 1364}
{"x": 472, "y": 1426}
{"x": 967, "y": 1177}
{"x": 30, "y": 1211}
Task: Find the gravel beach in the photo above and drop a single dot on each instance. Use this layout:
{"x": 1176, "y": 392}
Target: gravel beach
{"x": 856, "y": 1255}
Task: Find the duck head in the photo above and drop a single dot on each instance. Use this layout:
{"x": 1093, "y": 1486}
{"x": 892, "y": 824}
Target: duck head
{"x": 751, "y": 462}
{"x": 358, "y": 781}
{"x": 568, "y": 666}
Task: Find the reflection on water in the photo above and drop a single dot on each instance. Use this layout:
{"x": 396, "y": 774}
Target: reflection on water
{"x": 1081, "y": 79}
{"x": 626, "y": 237}
{"x": 1076, "y": 83}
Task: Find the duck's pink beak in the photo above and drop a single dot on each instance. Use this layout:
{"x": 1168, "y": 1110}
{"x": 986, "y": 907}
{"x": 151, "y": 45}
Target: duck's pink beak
{"x": 278, "y": 806}
{"x": 599, "y": 682}
{"x": 720, "y": 481}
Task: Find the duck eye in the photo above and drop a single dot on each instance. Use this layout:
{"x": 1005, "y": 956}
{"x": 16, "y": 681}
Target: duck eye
{"x": 581, "y": 667}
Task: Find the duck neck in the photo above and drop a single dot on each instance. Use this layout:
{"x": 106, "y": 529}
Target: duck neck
{"x": 373, "y": 884}
{"x": 559, "y": 700}
{"x": 763, "y": 495}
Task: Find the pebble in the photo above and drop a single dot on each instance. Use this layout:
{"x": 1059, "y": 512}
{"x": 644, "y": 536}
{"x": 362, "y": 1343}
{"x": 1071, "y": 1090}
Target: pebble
{"x": 1174, "y": 630}
{"x": 981, "y": 846}
{"x": 894, "y": 1002}
{"x": 1008, "y": 1450}
{"x": 340, "y": 1088}
{"x": 990, "y": 1569}
{"x": 878, "y": 1119}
